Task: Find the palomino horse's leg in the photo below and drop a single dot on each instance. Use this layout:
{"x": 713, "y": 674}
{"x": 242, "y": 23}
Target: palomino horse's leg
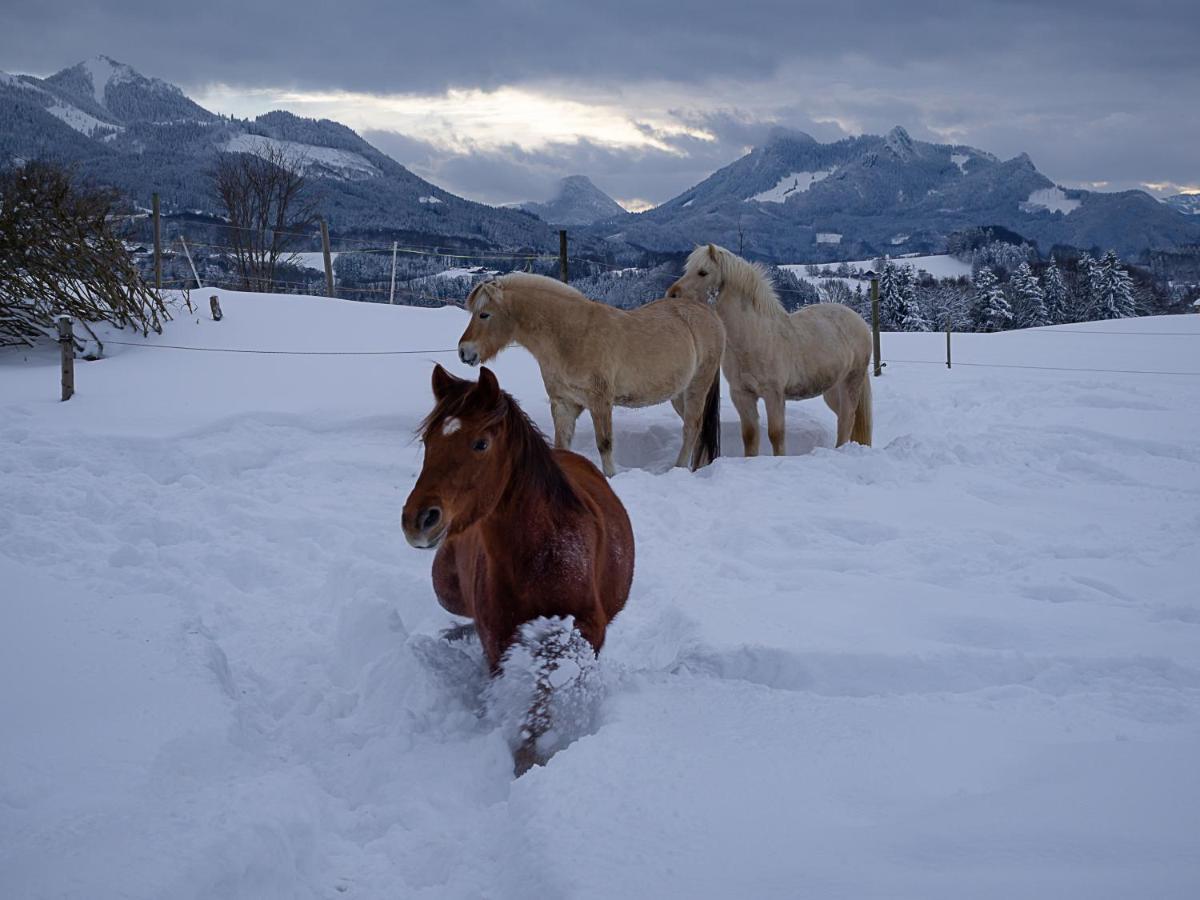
{"x": 691, "y": 427}
{"x": 746, "y": 405}
{"x": 776, "y": 414}
{"x": 565, "y": 413}
{"x": 602, "y": 422}
{"x": 838, "y": 399}
{"x": 693, "y": 399}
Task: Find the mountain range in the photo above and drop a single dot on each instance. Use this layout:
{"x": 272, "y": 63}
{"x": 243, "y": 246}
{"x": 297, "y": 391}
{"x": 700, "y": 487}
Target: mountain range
{"x": 142, "y": 135}
{"x": 793, "y": 199}
{"x": 797, "y": 199}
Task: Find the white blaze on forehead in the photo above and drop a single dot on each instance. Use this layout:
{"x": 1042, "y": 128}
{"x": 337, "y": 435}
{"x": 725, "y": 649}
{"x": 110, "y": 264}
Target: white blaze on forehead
{"x": 451, "y": 425}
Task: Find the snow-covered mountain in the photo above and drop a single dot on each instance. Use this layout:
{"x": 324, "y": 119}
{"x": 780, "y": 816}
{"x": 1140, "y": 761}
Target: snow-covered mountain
{"x": 1188, "y": 204}
{"x": 577, "y": 201}
{"x": 796, "y": 199}
{"x": 143, "y": 135}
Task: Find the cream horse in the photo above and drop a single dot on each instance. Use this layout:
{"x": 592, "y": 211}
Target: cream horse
{"x": 594, "y": 356}
{"x": 820, "y": 349}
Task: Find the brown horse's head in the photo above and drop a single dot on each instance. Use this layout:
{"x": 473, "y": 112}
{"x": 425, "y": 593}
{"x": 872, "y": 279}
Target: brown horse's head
{"x": 465, "y": 467}
{"x": 491, "y": 327}
{"x": 702, "y": 276}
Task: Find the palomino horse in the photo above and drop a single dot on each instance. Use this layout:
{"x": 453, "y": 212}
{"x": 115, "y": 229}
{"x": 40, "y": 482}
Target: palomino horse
{"x": 594, "y": 356}
{"x": 820, "y": 349}
{"x": 522, "y": 531}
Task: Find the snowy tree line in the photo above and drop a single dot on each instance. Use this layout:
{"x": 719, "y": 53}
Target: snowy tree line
{"x": 1010, "y": 290}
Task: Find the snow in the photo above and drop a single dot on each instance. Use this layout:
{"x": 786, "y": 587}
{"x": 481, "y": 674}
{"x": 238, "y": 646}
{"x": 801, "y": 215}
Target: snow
{"x": 688, "y": 203}
{"x": 898, "y": 239}
{"x": 1052, "y": 199}
{"x": 960, "y": 160}
{"x": 796, "y": 182}
{"x": 344, "y": 163}
{"x": 429, "y": 199}
{"x": 828, "y": 237}
{"x": 968, "y": 655}
{"x": 312, "y": 259}
{"x": 938, "y": 266}
{"x": 101, "y": 70}
{"x": 81, "y": 121}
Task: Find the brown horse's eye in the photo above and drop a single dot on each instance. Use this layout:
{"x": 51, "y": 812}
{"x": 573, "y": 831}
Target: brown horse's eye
{"x": 485, "y": 315}
{"x": 702, "y": 274}
{"x": 480, "y": 445}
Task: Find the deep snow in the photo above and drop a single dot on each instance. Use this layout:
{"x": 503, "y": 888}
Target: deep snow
{"x": 965, "y": 662}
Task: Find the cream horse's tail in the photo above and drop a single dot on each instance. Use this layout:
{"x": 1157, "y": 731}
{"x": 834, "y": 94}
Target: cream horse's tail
{"x": 708, "y": 442}
{"x": 860, "y": 433}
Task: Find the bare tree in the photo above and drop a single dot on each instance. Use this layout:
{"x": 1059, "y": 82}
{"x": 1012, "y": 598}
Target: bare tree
{"x": 60, "y": 253}
{"x": 270, "y": 206}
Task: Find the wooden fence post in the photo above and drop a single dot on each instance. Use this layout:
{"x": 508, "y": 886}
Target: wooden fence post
{"x": 562, "y": 256}
{"x": 328, "y": 261}
{"x": 392, "y": 294}
{"x": 157, "y": 243}
{"x": 66, "y": 343}
{"x": 947, "y": 344}
{"x": 188, "y": 254}
{"x": 875, "y": 325}
{"x": 214, "y": 306}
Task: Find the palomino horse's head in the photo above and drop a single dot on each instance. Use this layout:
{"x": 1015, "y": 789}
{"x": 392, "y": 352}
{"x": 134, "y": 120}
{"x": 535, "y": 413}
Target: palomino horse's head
{"x": 703, "y": 275}
{"x": 491, "y": 327}
{"x": 465, "y": 466}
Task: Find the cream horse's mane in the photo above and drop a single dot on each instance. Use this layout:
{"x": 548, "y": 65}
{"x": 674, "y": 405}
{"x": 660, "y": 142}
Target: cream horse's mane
{"x": 531, "y": 282}
{"x": 746, "y": 279}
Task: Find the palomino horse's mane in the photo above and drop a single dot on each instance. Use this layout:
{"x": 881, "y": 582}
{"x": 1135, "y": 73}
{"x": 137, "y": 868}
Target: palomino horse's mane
{"x": 529, "y": 282}
{"x": 533, "y": 461}
{"x": 746, "y": 279}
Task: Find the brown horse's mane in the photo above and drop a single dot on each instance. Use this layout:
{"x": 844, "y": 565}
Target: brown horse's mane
{"x": 534, "y": 464}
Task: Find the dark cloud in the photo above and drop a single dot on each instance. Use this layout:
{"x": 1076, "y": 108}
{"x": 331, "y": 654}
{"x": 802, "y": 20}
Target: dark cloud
{"x": 1097, "y": 90}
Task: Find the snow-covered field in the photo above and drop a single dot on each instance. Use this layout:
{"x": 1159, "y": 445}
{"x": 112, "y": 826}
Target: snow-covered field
{"x": 962, "y": 663}
{"x": 940, "y": 265}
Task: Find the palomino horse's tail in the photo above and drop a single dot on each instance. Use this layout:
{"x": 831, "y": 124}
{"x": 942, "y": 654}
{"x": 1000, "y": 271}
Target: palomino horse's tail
{"x": 708, "y": 442}
{"x": 860, "y": 433}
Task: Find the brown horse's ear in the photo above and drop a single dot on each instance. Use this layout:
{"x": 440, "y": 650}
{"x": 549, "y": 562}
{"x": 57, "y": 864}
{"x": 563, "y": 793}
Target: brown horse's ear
{"x": 487, "y": 391}
{"x": 443, "y": 381}
{"x": 712, "y": 251}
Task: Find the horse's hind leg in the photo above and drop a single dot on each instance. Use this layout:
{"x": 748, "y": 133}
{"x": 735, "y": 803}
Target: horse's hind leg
{"x": 690, "y": 406}
{"x": 565, "y": 413}
{"x": 602, "y": 422}
{"x": 776, "y": 417}
{"x": 746, "y": 405}
{"x": 839, "y": 400}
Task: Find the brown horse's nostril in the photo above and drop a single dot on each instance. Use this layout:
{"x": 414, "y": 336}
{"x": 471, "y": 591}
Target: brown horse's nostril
{"x": 427, "y": 518}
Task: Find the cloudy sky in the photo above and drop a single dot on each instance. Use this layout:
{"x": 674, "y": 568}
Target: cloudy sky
{"x": 496, "y": 100}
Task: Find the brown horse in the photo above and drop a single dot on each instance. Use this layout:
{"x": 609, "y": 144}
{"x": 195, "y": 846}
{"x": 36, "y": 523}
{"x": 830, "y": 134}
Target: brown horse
{"x": 522, "y": 531}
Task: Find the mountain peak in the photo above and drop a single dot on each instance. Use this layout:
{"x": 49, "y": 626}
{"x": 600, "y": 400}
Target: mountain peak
{"x": 576, "y": 202}
{"x": 780, "y": 134}
{"x": 902, "y": 146}
{"x": 102, "y": 83}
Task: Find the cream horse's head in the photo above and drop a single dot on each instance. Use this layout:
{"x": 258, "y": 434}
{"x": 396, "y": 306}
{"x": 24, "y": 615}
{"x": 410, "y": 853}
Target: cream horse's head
{"x": 704, "y": 274}
{"x": 491, "y": 327}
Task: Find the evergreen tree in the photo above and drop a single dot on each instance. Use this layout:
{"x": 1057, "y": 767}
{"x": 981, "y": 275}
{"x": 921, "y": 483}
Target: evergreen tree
{"x": 889, "y": 295}
{"x": 1054, "y": 291}
{"x": 1030, "y": 305}
{"x": 1087, "y": 284}
{"x": 990, "y": 309}
{"x": 1113, "y": 295}
{"x": 909, "y": 312}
